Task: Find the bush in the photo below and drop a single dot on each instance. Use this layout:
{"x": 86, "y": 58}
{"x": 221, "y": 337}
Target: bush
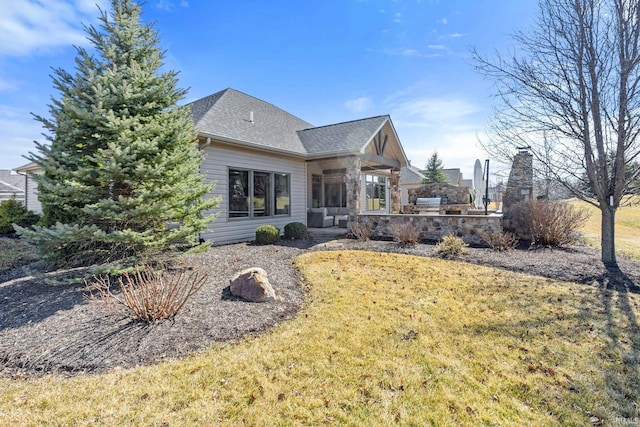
{"x": 295, "y": 230}
{"x": 14, "y": 212}
{"x": 267, "y": 234}
{"x": 549, "y": 223}
{"x": 451, "y": 245}
{"x": 505, "y": 241}
{"x": 360, "y": 231}
{"x": 147, "y": 295}
{"x": 405, "y": 233}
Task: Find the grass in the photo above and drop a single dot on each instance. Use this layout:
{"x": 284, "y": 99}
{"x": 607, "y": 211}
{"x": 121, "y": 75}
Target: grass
{"x": 15, "y": 253}
{"x": 384, "y": 339}
{"x": 627, "y": 229}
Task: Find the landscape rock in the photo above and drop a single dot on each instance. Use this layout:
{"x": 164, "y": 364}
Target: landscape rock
{"x": 252, "y": 284}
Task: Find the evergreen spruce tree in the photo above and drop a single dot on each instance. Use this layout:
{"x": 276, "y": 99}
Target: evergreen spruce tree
{"x": 434, "y": 171}
{"x": 122, "y": 170}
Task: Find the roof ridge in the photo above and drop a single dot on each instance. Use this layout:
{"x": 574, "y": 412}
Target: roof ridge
{"x": 230, "y": 89}
{"x": 343, "y": 123}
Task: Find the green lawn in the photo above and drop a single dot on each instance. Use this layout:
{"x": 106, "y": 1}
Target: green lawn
{"x": 383, "y": 340}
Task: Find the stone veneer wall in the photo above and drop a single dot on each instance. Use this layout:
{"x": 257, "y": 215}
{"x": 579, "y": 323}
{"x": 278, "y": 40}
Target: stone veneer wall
{"x": 396, "y": 201}
{"x": 435, "y": 227}
{"x": 449, "y": 194}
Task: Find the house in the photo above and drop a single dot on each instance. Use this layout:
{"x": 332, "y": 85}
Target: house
{"x": 11, "y": 186}
{"x": 271, "y": 167}
{"x": 31, "y": 186}
{"x": 410, "y": 178}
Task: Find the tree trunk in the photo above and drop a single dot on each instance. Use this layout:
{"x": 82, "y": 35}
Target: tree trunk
{"x": 607, "y": 236}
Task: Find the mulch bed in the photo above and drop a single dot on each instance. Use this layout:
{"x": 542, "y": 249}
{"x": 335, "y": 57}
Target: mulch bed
{"x": 48, "y": 326}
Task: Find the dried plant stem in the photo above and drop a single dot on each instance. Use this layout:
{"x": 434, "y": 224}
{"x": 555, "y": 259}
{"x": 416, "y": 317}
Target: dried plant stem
{"x": 148, "y": 295}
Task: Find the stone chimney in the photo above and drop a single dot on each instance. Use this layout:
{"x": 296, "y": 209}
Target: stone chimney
{"x": 520, "y": 184}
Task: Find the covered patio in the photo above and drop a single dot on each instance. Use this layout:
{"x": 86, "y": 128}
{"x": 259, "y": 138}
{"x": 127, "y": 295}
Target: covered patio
{"x": 362, "y": 177}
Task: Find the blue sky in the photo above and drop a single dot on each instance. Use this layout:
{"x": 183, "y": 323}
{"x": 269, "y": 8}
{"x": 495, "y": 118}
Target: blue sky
{"x": 325, "y": 61}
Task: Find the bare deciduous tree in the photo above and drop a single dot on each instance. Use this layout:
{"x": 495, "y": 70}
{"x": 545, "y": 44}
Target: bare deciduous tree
{"x": 571, "y": 93}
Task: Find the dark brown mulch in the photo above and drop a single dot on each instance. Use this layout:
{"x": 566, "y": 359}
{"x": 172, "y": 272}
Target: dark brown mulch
{"x": 46, "y": 324}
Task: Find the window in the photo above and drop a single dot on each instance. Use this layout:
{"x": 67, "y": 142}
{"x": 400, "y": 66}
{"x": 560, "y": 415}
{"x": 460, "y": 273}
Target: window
{"x": 254, "y": 194}
{"x": 261, "y": 194}
{"x": 335, "y": 192}
{"x": 376, "y": 192}
{"x": 282, "y": 199}
{"x": 238, "y": 193}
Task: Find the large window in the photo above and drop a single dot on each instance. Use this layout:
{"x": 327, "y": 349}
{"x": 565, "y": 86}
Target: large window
{"x": 254, "y": 194}
{"x": 376, "y": 192}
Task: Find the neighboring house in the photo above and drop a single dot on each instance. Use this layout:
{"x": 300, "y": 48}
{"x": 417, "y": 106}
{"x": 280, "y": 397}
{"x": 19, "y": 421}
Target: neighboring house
{"x": 410, "y": 177}
{"x": 31, "y": 186}
{"x": 12, "y": 186}
{"x": 454, "y": 176}
{"x": 271, "y": 167}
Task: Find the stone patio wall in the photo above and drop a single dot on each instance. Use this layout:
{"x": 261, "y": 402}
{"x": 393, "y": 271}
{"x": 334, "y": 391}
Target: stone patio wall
{"x": 435, "y": 227}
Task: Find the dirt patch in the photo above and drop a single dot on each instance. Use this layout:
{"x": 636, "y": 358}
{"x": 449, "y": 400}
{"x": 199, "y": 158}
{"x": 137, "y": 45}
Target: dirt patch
{"x": 46, "y": 324}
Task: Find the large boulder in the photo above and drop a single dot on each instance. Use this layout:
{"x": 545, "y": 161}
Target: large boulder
{"x": 252, "y": 284}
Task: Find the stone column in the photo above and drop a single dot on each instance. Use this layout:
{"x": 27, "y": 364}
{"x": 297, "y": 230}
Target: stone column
{"x": 354, "y": 167}
{"x": 396, "y": 202}
{"x": 520, "y": 183}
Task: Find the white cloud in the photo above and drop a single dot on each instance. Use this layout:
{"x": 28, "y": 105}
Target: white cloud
{"x": 9, "y": 85}
{"x": 397, "y": 18}
{"x": 428, "y": 112}
{"x": 444, "y": 21}
{"x": 28, "y": 26}
{"x": 170, "y": 5}
{"x": 411, "y": 52}
{"x": 359, "y": 105}
{"x": 19, "y": 130}
{"x": 437, "y": 47}
{"x": 447, "y": 125}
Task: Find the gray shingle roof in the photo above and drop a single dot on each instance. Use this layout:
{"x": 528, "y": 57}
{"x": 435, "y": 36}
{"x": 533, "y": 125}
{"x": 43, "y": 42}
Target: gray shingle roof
{"x": 411, "y": 175}
{"x": 12, "y": 179}
{"x": 348, "y": 136}
{"x": 227, "y": 114}
{"x": 8, "y": 188}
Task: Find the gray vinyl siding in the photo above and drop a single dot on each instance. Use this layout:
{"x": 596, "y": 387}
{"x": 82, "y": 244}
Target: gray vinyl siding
{"x": 219, "y": 158}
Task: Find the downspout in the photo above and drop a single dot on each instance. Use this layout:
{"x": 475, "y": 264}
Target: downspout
{"x": 26, "y": 188}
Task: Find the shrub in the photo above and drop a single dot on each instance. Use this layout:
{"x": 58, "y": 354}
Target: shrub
{"x": 147, "y": 295}
{"x": 360, "y": 231}
{"x": 295, "y": 230}
{"x": 451, "y": 245}
{"x": 267, "y": 234}
{"x": 549, "y": 223}
{"x": 14, "y": 212}
{"x": 405, "y": 233}
{"x": 505, "y": 241}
